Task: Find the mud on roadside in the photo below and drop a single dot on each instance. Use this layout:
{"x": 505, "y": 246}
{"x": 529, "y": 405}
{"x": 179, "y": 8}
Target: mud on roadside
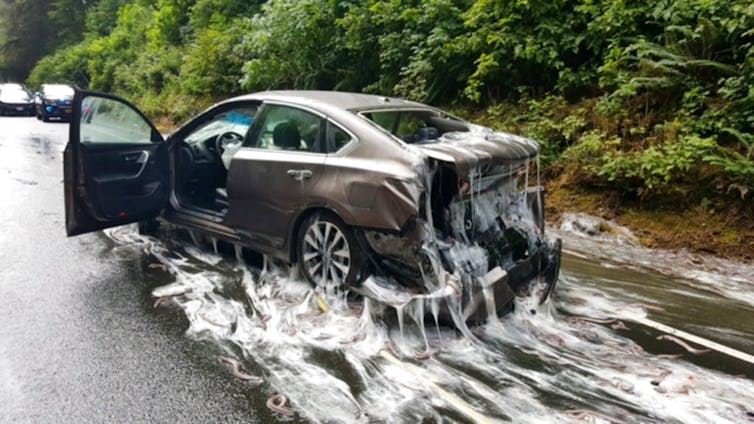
{"x": 704, "y": 231}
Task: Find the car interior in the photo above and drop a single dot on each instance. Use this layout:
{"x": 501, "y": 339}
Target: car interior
{"x": 201, "y": 170}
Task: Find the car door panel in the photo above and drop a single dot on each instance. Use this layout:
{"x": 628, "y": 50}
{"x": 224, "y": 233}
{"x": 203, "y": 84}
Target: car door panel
{"x": 267, "y": 189}
{"x": 116, "y": 165}
{"x": 125, "y": 179}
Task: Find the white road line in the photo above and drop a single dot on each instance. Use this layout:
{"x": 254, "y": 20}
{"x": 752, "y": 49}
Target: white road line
{"x": 694, "y": 339}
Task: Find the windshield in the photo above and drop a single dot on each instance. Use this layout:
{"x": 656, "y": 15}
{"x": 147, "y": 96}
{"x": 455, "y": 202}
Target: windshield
{"x": 58, "y": 91}
{"x": 14, "y": 96}
{"x": 237, "y": 121}
{"x": 11, "y": 86}
{"x": 415, "y": 125}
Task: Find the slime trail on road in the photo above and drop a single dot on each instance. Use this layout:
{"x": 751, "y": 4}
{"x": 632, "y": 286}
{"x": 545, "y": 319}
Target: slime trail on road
{"x": 531, "y": 366}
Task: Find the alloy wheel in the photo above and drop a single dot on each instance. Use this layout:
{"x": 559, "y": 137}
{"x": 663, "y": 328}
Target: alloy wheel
{"x": 326, "y": 254}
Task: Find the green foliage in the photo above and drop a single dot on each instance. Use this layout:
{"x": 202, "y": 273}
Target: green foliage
{"x": 102, "y": 17}
{"x": 210, "y": 64}
{"x": 404, "y": 47}
{"x": 20, "y": 48}
{"x": 641, "y": 96}
{"x": 291, "y": 44}
{"x": 656, "y": 166}
{"x": 549, "y": 120}
{"x": 66, "y": 66}
{"x": 68, "y": 17}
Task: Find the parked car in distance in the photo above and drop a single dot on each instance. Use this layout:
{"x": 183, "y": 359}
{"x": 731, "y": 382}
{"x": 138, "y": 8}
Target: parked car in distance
{"x": 345, "y": 185}
{"x": 15, "y": 100}
{"x": 54, "y": 101}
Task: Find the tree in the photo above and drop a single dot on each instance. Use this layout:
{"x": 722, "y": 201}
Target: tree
{"x": 21, "y": 48}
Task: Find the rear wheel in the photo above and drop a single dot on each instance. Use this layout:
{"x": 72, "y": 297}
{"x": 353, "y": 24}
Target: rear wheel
{"x": 328, "y": 252}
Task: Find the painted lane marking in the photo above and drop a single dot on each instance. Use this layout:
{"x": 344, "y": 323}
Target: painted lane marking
{"x": 694, "y": 339}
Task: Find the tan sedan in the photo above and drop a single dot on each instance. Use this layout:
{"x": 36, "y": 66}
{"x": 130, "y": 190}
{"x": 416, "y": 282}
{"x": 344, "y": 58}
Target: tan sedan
{"x": 345, "y": 185}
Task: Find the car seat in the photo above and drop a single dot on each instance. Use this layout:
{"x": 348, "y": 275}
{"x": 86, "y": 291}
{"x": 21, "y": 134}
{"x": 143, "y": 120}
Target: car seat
{"x": 286, "y": 136}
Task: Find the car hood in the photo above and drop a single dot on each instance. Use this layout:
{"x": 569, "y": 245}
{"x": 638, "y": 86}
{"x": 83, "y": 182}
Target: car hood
{"x": 478, "y": 147}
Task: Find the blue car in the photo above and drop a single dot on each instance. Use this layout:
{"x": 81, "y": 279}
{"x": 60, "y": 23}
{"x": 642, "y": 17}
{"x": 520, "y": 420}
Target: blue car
{"x": 54, "y": 101}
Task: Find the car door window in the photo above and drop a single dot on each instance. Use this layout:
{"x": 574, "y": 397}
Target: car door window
{"x": 106, "y": 120}
{"x": 288, "y": 128}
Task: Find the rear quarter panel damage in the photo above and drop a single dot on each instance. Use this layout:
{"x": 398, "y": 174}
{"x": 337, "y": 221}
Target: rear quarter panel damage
{"x": 369, "y": 193}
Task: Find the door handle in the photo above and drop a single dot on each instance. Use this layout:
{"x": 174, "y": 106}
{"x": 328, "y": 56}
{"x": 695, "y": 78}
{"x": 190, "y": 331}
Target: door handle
{"x": 141, "y": 158}
{"x": 137, "y": 157}
{"x": 299, "y": 174}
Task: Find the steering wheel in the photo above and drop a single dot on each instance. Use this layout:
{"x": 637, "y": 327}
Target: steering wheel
{"x": 226, "y": 138}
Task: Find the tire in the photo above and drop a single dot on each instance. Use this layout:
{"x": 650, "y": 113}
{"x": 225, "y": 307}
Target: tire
{"x": 45, "y": 117}
{"x": 326, "y": 233}
{"x": 148, "y": 227}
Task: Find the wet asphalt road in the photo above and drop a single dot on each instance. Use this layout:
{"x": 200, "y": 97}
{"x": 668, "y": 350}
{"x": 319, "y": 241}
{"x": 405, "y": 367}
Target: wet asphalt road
{"x": 79, "y": 338}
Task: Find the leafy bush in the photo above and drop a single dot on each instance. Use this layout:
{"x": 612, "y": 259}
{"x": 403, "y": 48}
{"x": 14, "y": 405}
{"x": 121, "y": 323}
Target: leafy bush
{"x": 641, "y": 96}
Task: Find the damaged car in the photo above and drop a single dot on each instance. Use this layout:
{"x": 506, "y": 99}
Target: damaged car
{"x": 353, "y": 188}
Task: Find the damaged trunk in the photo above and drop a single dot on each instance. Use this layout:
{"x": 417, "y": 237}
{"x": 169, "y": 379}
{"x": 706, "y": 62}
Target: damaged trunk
{"x": 479, "y": 240}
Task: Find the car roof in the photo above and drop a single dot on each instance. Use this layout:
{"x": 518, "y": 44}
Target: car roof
{"x": 333, "y": 99}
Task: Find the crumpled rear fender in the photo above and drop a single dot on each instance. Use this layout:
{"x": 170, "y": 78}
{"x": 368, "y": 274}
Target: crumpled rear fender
{"x": 369, "y": 193}
{"x": 385, "y": 204}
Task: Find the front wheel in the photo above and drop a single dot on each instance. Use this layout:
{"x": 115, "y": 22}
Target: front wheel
{"x": 328, "y": 252}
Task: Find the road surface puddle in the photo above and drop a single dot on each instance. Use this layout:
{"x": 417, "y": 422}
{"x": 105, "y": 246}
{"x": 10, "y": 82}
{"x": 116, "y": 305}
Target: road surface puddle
{"x": 580, "y": 357}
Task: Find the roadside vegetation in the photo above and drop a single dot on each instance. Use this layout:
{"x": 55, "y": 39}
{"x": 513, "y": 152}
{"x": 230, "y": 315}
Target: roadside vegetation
{"x": 645, "y": 109}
